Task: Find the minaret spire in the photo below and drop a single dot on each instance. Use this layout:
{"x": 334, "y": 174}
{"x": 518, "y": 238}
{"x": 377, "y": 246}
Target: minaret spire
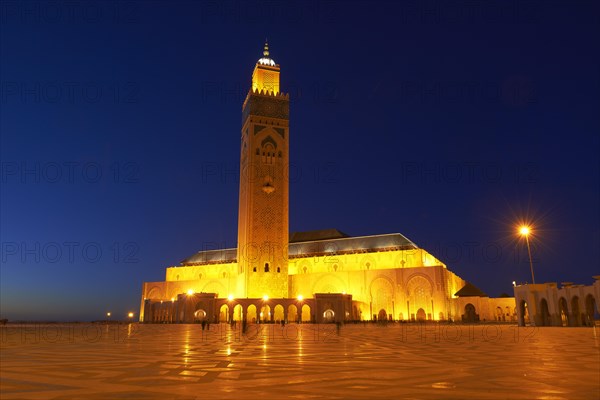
{"x": 266, "y": 73}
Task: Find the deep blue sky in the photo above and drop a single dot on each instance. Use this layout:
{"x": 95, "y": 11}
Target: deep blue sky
{"x": 120, "y": 127}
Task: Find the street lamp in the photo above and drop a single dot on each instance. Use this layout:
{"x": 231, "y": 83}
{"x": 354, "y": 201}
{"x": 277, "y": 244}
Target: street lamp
{"x": 526, "y": 231}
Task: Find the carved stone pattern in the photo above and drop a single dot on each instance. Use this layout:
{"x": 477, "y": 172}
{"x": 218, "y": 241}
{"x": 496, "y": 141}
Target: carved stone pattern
{"x": 266, "y": 107}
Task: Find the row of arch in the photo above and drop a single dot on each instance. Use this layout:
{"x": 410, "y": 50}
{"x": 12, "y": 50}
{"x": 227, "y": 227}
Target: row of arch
{"x": 567, "y": 313}
{"x": 170, "y": 312}
{"x": 261, "y": 313}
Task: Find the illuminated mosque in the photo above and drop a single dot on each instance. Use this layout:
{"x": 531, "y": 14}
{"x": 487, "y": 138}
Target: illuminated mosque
{"x": 317, "y": 276}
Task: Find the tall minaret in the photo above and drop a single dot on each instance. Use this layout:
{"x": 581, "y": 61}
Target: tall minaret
{"x": 263, "y": 208}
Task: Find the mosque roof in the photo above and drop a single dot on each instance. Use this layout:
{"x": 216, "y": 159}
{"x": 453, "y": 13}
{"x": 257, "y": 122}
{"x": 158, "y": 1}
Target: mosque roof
{"x": 322, "y": 234}
{"x": 359, "y": 244}
{"x": 313, "y": 243}
{"x": 470, "y": 290}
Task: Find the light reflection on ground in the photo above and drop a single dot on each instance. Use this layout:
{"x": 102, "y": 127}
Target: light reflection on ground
{"x": 367, "y": 361}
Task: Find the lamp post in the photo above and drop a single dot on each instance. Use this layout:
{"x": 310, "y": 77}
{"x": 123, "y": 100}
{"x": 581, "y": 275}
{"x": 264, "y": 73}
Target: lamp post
{"x": 525, "y": 231}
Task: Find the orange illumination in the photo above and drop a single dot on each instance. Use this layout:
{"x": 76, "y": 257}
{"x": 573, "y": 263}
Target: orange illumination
{"x": 524, "y": 230}
{"x": 130, "y": 315}
{"x": 266, "y": 79}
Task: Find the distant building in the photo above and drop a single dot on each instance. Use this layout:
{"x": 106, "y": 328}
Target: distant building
{"x": 317, "y": 276}
{"x": 546, "y": 304}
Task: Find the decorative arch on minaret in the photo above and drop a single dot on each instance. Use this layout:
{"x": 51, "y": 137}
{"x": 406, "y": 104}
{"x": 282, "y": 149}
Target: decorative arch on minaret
{"x": 270, "y": 150}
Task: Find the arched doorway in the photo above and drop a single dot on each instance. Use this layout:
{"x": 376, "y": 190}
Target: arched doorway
{"x": 328, "y": 315}
{"x": 292, "y": 313}
{"x": 278, "y": 313}
{"x": 575, "y": 311}
{"x": 265, "y": 313}
{"x": 237, "y": 312}
{"x": 421, "y": 316}
{"x": 224, "y": 313}
{"x": 545, "y": 313}
{"x": 499, "y": 314}
{"x": 591, "y": 312}
{"x": 251, "y": 313}
{"x": 382, "y": 315}
{"x": 200, "y": 315}
{"x": 470, "y": 314}
{"x": 562, "y": 310}
{"x": 524, "y": 313}
{"x": 306, "y": 313}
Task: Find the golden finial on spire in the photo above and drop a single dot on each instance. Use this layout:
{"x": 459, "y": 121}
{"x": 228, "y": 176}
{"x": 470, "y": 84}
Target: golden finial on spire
{"x": 266, "y": 59}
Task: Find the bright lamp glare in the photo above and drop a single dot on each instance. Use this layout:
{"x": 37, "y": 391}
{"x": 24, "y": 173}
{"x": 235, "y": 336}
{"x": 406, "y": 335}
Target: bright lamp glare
{"x": 524, "y": 230}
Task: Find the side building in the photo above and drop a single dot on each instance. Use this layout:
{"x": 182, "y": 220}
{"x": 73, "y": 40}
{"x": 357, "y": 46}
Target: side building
{"x": 546, "y": 304}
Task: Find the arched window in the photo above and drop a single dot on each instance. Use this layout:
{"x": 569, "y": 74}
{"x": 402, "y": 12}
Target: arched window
{"x": 278, "y": 270}
{"x": 268, "y": 153}
{"x": 269, "y": 150}
{"x": 254, "y": 269}
{"x": 266, "y": 267}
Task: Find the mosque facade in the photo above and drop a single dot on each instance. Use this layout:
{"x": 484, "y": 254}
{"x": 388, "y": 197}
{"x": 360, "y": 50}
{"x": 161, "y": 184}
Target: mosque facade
{"x": 318, "y": 276}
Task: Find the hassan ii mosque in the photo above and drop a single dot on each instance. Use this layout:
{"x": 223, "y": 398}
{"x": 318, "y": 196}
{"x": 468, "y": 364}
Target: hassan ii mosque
{"x": 317, "y": 276}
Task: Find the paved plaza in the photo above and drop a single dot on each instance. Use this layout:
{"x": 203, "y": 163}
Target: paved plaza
{"x": 401, "y": 361}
